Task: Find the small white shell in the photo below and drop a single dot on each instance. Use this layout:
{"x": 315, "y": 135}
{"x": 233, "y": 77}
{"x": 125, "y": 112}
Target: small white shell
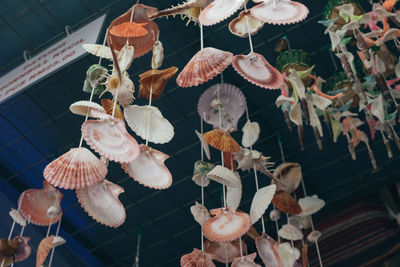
{"x": 200, "y": 213}
{"x": 204, "y": 144}
{"x": 158, "y": 55}
{"x": 314, "y": 236}
{"x": 58, "y": 241}
{"x": 287, "y": 254}
{"x": 233, "y": 197}
{"x": 261, "y": 201}
{"x": 251, "y": 133}
{"x": 275, "y": 215}
{"x": 17, "y": 217}
{"x": 224, "y": 176}
{"x": 125, "y": 57}
{"x": 310, "y": 205}
{"x": 296, "y": 222}
{"x": 290, "y": 232}
{"x": 84, "y": 107}
{"x": 53, "y": 211}
{"x": 98, "y": 50}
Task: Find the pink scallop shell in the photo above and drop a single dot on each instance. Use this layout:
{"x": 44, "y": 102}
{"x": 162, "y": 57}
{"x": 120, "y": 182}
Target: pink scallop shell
{"x": 197, "y": 258}
{"x": 279, "y": 15}
{"x": 219, "y": 10}
{"x": 77, "y": 168}
{"x": 43, "y": 250}
{"x": 101, "y": 202}
{"x": 34, "y": 203}
{"x": 109, "y": 138}
{"x": 266, "y": 247}
{"x": 204, "y": 65}
{"x": 224, "y": 251}
{"x": 256, "y": 69}
{"x": 149, "y": 169}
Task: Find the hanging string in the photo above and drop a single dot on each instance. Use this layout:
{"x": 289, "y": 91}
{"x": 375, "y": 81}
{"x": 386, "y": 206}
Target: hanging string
{"x": 136, "y": 263}
{"x": 48, "y": 228}
{"x": 248, "y": 31}
{"x": 220, "y": 126}
{"x": 148, "y": 119}
{"x": 104, "y": 42}
{"x": 52, "y": 250}
{"x": 240, "y": 247}
{"x": 201, "y": 36}
{"x": 202, "y": 187}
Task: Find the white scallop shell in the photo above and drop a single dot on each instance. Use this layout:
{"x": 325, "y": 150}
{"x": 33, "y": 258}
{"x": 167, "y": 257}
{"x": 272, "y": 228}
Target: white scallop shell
{"x": 288, "y": 254}
{"x": 275, "y": 215}
{"x": 219, "y": 10}
{"x": 233, "y": 197}
{"x": 290, "y": 232}
{"x": 17, "y": 217}
{"x": 314, "y": 236}
{"x": 158, "y": 55}
{"x": 58, "y": 241}
{"x": 261, "y": 201}
{"x": 160, "y": 130}
{"x": 98, "y": 50}
{"x": 84, "y": 107}
{"x": 224, "y": 176}
{"x": 125, "y": 57}
{"x": 204, "y": 144}
{"x": 200, "y": 213}
{"x": 310, "y": 205}
{"x": 251, "y": 133}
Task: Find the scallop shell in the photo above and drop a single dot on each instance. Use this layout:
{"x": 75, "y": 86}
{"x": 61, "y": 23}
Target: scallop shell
{"x": 219, "y": 10}
{"x": 286, "y": 203}
{"x": 238, "y": 26}
{"x": 201, "y": 169}
{"x": 280, "y": 12}
{"x": 245, "y": 261}
{"x": 224, "y": 251}
{"x": 314, "y": 236}
{"x": 158, "y": 55}
{"x": 310, "y": 205}
{"x": 77, "y": 168}
{"x": 147, "y": 121}
{"x": 84, "y": 107}
{"x": 233, "y": 197}
{"x": 129, "y": 29}
{"x": 204, "y": 144}
{"x": 197, "y": 258}
{"x": 17, "y": 217}
{"x": 109, "y": 138}
{"x": 108, "y": 106}
{"x": 43, "y": 250}
{"x": 101, "y": 202}
{"x": 227, "y": 225}
{"x": 266, "y": 248}
{"x": 289, "y": 175}
{"x": 256, "y": 69}
{"x": 261, "y": 201}
{"x": 251, "y": 133}
{"x": 290, "y": 232}
{"x": 34, "y": 203}
{"x": 231, "y": 101}
{"x": 288, "y": 254}
{"x": 221, "y": 140}
{"x": 275, "y": 215}
{"x": 200, "y": 213}
{"x": 205, "y": 65}
{"x": 149, "y": 169}
{"x": 24, "y": 250}
{"x": 98, "y": 50}
{"x": 224, "y": 176}
{"x": 156, "y": 80}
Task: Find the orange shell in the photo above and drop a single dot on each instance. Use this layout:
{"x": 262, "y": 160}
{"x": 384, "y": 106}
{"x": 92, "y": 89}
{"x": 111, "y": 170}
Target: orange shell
{"x": 129, "y": 29}
{"x": 108, "y": 105}
{"x": 286, "y": 203}
{"x": 224, "y": 218}
{"x": 221, "y": 140}
{"x": 205, "y": 65}
{"x": 156, "y": 78}
{"x": 197, "y": 258}
{"x": 43, "y": 250}
{"x": 229, "y": 161}
{"x": 34, "y": 203}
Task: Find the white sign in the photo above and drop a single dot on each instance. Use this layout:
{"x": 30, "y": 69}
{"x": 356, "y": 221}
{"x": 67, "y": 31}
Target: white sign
{"x": 50, "y": 60}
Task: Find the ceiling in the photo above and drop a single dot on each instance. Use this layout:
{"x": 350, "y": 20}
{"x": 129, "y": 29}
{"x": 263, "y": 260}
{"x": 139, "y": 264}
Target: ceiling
{"x": 37, "y": 127}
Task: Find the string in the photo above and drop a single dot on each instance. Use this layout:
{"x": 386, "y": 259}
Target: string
{"x": 202, "y": 187}
{"x": 148, "y": 119}
{"x": 240, "y": 247}
{"x": 104, "y": 42}
{"x": 48, "y": 228}
{"x": 248, "y": 31}
{"x": 136, "y": 264}
{"x": 52, "y": 250}
{"x": 201, "y": 36}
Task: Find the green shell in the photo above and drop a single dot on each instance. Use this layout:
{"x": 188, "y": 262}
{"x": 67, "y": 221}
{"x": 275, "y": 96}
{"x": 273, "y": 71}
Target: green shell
{"x": 334, "y": 3}
{"x": 296, "y": 57}
{"x": 201, "y": 168}
{"x": 336, "y": 81}
{"x": 95, "y": 76}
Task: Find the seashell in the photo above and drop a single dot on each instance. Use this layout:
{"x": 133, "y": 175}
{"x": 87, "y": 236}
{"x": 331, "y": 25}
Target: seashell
{"x": 158, "y": 55}
{"x": 238, "y": 26}
{"x": 101, "y": 202}
{"x": 261, "y": 201}
{"x": 149, "y": 169}
{"x": 98, "y": 50}
{"x": 125, "y": 57}
{"x": 289, "y": 175}
{"x": 288, "y": 254}
{"x": 197, "y": 258}
{"x": 77, "y": 168}
{"x": 248, "y": 159}
{"x": 95, "y": 79}
{"x": 219, "y": 10}
{"x": 43, "y": 250}
{"x": 9, "y": 248}
{"x": 267, "y": 250}
{"x": 296, "y": 222}
{"x": 310, "y": 205}
{"x": 221, "y": 140}
{"x": 224, "y": 176}
{"x": 286, "y": 203}
{"x": 226, "y": 97}
{"x": 204, "y": 65}
{"x": 256, "y": 69}
{"x": 251, "y": 133}
{"x": 224, "y": 251}
{"x": 155, "y": 81}
{"x": 245, "y": 261}
{"x": 125, "y": 90}
{"x": 290, "y": 232}
{"x": 17, "y": 217}
{"x": 275, "y": 215}
{"x": 201, "y": 168}
{"x": 226, "y": 225}
{"x": 147, "y": 121}
{"x": 204, "y": 144}
{"x": 108, "y": 106}
{"x": 58, "y": 241}
{"x": 233, "y": 197}
{"x": 84, "y": 107}
{"x": 109, "y": 138}
{"x": 229, "y": 161}
{"x": 314, "y": 236}
{"x": 34, "y": 203}
{"x": 54, "y": 211}
{"x": 24, "y": 250}
{"x": 129, "y": 29}
{"x": 280, "y": 12}
{"x": 200, "y": 213}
